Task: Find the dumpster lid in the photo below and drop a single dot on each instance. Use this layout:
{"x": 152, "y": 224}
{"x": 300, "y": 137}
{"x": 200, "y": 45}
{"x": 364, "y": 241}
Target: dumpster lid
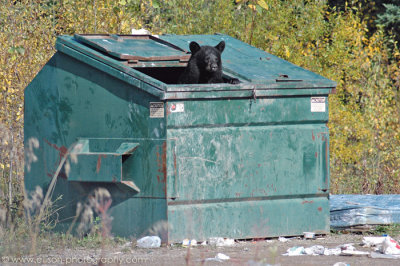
{"x": 154, "y": 65}
{"x": 134, "y": 47}
{"x": 255, "y": 65}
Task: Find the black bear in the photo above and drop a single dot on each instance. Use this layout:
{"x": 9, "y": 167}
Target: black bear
{"x": 204, "y": 65}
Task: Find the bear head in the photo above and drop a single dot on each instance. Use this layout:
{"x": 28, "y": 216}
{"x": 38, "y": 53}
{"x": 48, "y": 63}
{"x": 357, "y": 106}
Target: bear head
{"x": 207, "y": 57}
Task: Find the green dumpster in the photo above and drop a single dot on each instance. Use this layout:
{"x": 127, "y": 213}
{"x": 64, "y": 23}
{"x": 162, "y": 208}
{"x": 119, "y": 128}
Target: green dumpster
{"x": 240, "y": 160}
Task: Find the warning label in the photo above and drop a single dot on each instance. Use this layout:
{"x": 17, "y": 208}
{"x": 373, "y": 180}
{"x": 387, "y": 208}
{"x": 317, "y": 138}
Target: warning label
{"x": 318, "y": 104}
{"x": 156, "y": 110}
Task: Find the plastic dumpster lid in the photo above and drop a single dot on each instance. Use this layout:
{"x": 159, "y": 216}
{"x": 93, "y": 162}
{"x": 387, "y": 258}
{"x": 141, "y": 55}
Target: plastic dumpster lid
{"x": 134, "y": 47}
{"x": 261, "y": 74}
{"x": 252, "y": 64}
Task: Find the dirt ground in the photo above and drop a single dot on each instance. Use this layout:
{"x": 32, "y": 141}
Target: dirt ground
{"x": 254, "y": 253}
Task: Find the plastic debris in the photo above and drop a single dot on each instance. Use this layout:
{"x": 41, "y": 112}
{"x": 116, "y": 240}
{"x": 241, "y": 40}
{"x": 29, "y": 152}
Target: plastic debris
{"x": 390, "y": 246}
{"x": 340, "y": 263}
{"x": 373, "y": 241}
{"x": 346, "y": 249}
{"x": 354, "y": 253}
{"x": 295, "y": 251}
{"x": 187, "y": 242}
{"x": 220, "y": 257}
{"x": 332, "y": 251}
{"x": 221, "y": 242}
{"x": 353, "y": 210}
{"x": 283, "y": 239}
{"x": 387, "y": 247}
{"x": 315, "y": 250}
{"x": 309, "y": 235}
{"x": 149, "y": 242}
{"x": 376, "y": 255}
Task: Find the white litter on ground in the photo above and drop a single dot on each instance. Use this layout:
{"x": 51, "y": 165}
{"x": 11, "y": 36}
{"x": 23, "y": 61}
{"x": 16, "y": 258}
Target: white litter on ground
{"x": 221, "y": 242}
{"x": 385, "y": 246}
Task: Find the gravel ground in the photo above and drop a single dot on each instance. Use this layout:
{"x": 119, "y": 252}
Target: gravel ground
{"x": 261, "y": 252}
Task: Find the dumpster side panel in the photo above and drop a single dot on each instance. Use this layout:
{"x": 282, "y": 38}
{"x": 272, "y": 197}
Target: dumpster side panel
{"x": 243, "y": 162}
{"x": 239, "y": 155}
{"x": 69, "y": 100}
{"x": 249, "y": 219}
{"x": 246, "y": 112}
{"x": 271, "y": 147}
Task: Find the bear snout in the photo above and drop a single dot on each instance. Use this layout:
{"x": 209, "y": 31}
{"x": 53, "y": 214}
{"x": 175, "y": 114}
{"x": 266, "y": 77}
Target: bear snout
{"x": 214, "y": 67}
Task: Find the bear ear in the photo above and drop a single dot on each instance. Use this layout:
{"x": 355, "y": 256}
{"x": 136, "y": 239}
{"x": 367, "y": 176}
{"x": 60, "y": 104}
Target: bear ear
{"x": 194, "y": 47}
{"x": 220, "y": 46}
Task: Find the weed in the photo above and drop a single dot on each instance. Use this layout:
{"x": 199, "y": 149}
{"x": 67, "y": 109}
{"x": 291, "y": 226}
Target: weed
{"x": 390, "y": 229}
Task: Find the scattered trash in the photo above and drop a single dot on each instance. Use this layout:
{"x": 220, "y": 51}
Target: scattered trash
{"x": 295, "y": 251}
{"x": 346, "y": 249}
{"x": 376, "y": 255}
{"x": 314, "y": 250}
{"x": 149, "y": 242}
{"x": 283, "y": 239}
{"x": 332, "y": 251}
{"x": 390, "y": 246}
{"x": 309, "y": 235}
{"x": 186, "y": 242}
{"x": 341, "y": 264}
{"x": 354, "y": 253}
{"x": 220, "y": 257}
{"x": 372, "y": 241}
{"x": 387, "y": 247}
{"x": 384, "y": 244}
{"x": 204, "y": 243}
{"x": 221, "y": 242}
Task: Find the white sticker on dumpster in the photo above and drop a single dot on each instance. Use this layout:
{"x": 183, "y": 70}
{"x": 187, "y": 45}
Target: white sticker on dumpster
{"x": 318, "y": 104}
{"x": 156, "y": 109}
{"x": 177, "y": 108}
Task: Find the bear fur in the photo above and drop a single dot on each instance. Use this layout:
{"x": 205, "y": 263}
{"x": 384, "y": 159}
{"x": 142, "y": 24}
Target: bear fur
{"x": 204, "y": 65}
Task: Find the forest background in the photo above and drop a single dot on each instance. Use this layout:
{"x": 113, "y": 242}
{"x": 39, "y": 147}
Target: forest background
{"x": 354, "y": 43}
